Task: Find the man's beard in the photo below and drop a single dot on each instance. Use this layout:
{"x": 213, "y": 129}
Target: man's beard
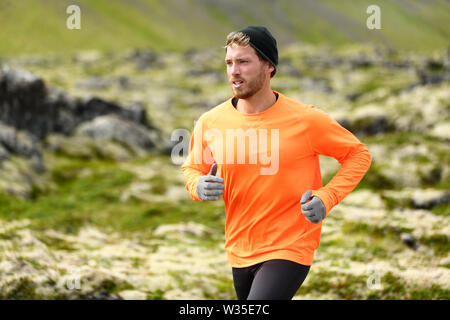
{"x": 250, "y": 88}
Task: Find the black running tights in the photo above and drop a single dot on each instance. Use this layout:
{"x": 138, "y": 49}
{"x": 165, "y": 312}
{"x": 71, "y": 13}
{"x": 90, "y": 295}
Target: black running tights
{"x": 269, "y": 280}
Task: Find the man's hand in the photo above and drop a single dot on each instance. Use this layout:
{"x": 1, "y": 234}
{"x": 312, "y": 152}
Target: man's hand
{"x": 210, "y": 187}
{"x": 314, "y": 210}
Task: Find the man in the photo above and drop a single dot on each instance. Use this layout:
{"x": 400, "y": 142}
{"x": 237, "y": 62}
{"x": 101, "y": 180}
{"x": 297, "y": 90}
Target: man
{"x": 273, "y": 217}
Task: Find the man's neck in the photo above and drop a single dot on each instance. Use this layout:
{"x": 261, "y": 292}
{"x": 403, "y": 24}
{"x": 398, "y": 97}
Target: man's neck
{"x": 257, "y": 103}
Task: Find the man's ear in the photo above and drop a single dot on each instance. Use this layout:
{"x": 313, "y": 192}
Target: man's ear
{"x": 270, "y": 66}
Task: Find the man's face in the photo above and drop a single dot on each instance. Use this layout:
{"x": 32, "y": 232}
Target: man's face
{"x": 247, "y": 74}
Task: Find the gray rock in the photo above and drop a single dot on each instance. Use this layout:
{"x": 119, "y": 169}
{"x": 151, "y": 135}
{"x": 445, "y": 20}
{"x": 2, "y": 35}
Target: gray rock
{"x": 287, "y": 67}
{"x": 117, "y": 129}
{"x": 87, "y": 147}
{"x": 94, "y": 107}
{"x": 430, "y": 199}
{"x": 19, "y": 142}
{"x": 316, "y": 83}
{"x": 23, "y": 102}
{"x": 136, "y": 112}
{"x": 102, "y": 83}
{"x": 433, "y": 72}
{"x": 4, "y": 154}
{"x": 369, "y": 125}
{"x": 360, "y": 61}
{"x": 408, "y": 239}
{"x": 95, "y": 83}
{"x": 144, "y": 58}
{"x": 430, "y": 78}
{"x": 27, "y": 104}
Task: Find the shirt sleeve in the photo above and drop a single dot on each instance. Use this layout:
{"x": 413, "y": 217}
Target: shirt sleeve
{"x": 329, "y": 138}
{"x": 198, "y": 162}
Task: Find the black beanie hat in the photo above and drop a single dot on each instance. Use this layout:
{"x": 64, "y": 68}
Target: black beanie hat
{"x": 263, "y": 42}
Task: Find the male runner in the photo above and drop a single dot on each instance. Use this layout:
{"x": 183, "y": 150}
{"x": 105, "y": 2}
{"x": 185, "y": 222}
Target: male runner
{"x": 274, "y": 211}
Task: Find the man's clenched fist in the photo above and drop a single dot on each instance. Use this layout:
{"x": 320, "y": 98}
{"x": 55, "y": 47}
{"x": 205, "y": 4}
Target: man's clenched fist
{"x": 314, "y": 210}
{"x": 210, "y": 187}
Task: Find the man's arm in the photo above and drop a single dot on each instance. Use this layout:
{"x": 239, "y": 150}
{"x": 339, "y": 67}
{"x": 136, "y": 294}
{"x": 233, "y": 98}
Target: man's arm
{"x": 198, "y": 164}
{"x": 329, "y": 138}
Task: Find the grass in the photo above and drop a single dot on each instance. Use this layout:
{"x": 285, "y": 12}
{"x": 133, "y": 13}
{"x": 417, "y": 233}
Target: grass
{"x": 179, "y": 25}
{"x": 88, "y": 192}
{"x": 398, "y": 21}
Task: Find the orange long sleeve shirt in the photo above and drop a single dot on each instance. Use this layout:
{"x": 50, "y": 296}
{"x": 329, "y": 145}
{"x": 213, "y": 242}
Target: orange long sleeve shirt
{"x": 268, "y": 160}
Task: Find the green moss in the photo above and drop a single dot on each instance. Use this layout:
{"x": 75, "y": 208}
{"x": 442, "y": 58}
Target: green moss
{"x": 113, "y": 287}
{"x": 36, "y": 265}
{"x": 379, "y": 252}
{"x": 56, "y": 243}
{"x": 360, "y": 227}
{"x": 374, "y": 179}
{"x": 225, "y": 289}
{"x": 441, "y": 210}
{"x": 396, "y": 288}
{"x": 393, "y": 202}
{"x": 373, "y": 230}
{"x": 370, "y": 85}
{"x": 157, "y": 294}
{"x": 327, "y": 243}
{"x": 159, "y": 184}
{"x": 392, "y": 288}
{"x": 25, "y": 289}
{"x": 434, "y": 292}
{"x": 432, "y": 177}
{"x": 347, "y": 286}
{"x": 9, "y": 235}
{"x": 83, "y": 188}
{"x": 393, "y": 140}
{"x": 439, "y": 242}
{"x": 330, "y": 282}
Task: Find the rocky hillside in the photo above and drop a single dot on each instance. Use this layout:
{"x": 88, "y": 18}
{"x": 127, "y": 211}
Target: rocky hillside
{"x": 93, "y": 206}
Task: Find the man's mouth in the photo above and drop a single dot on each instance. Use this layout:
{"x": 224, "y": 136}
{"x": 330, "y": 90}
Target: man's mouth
{"x": 237, "y": 83}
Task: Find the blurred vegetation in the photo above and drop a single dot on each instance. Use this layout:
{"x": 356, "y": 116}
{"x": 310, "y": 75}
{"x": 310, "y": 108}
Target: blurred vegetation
{"x": 179, "y": 25}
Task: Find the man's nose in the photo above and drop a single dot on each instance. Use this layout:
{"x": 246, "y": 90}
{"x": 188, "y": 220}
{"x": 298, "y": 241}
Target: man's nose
{"x": 235, "y": 69}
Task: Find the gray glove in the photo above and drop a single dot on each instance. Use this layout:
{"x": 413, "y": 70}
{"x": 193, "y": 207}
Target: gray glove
{"x": 314, "y": 210}
{"x": 210, "y": 187}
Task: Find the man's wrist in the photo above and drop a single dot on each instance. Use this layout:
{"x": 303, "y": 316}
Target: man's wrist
{"x": 320, "y": 195}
